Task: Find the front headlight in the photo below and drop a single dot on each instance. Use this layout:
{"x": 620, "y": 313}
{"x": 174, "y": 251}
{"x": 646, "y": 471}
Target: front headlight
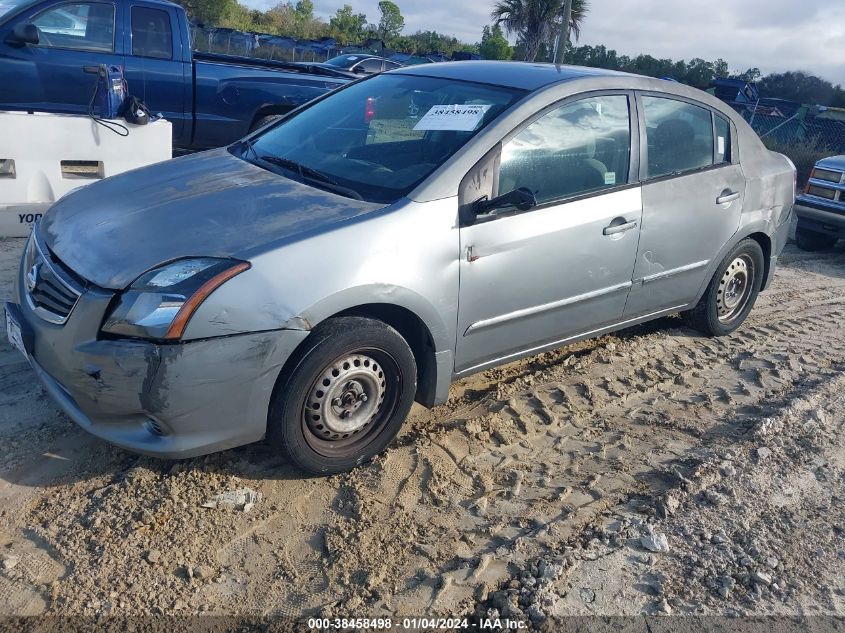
{"x": 160, "y": 302}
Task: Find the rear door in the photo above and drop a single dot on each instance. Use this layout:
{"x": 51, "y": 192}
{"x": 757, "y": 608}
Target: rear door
{"x": 155, "y": 70}
{"x": 50, "y": 76}
{"x": 533, "y": 278}
{"x": 693, "y": 191}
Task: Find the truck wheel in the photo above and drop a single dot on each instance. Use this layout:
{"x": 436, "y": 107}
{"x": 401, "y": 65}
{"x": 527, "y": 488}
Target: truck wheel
{"x": 732, "y": 291}
{"x": 813, "y": 241}
{"x": 345, "y": 396}
{"x": 265, "y": 120}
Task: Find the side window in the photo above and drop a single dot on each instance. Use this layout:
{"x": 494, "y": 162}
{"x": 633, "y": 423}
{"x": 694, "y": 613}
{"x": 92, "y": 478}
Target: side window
{"x": 680, "y": 136}
{"x": 370, "y": 66}
{"x": 84, "y": 26}
{"x": 578, "y": 148}
{"x": 723, "y": 140}
{"x": 151, "y": 34}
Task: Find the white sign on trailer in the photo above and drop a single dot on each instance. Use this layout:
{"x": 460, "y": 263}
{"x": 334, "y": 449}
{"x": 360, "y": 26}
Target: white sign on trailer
{"x": 44, "y": 156}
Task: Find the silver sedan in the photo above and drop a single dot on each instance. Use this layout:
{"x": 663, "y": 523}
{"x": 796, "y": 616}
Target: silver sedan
{"x": 308, "y": 283}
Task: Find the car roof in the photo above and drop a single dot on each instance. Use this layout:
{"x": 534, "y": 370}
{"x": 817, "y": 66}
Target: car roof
{"x": 524, "y": 75}
{"x": 361, "y": 55}
{"x": 832, "y": 162}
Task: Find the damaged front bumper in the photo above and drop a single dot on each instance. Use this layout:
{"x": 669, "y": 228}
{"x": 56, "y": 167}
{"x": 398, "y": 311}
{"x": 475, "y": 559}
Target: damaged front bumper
{"x": 164, "y": 400}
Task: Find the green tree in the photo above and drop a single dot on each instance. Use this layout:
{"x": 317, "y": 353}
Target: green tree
{"x": 798, "y": 86}
{"x": 391, "y": 22}
{"x": 348, "y": 27}
{"x": 536, "y": 22}
{"x": 752, "y": 75}
{"x": 493, "y": 44}
{"x": 210, "y": 12}
{"x": 304, "y": 10}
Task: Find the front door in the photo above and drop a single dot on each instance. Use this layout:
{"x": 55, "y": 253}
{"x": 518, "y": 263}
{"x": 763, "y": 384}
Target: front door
{"x": 51, "y": 76}
{"x": 531, "y": 278}
{"x": 692, "y": 202}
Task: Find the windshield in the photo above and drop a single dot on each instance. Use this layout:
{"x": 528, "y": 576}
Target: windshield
{"x": 7, "y": 6}
{"x": 342, "y": 61}
{"x": 378, "y": 139}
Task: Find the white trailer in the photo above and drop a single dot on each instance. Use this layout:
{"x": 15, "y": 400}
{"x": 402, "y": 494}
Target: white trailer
{"x": 44, "y": 156}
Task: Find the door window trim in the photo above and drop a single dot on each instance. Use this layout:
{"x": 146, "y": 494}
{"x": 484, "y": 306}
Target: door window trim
{"x": 643, "y": 134}
{"x": 170, "y": 22}
{"x": 633, "y": 161}
{"x": 114, "y": 7}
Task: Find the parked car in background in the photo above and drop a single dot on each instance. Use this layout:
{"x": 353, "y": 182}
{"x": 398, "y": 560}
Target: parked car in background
{"x": 311, "y": 281}
{"x": 211, "y": 100}
{"x": 821, "y": 207}
{"x": 361, "y": 63}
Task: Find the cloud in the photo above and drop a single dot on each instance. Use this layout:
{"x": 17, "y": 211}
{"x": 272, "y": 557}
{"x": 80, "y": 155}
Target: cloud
{"x": 773, "y": 35}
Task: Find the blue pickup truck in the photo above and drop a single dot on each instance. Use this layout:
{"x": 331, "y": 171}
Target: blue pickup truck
{"x": 211, "y": 100}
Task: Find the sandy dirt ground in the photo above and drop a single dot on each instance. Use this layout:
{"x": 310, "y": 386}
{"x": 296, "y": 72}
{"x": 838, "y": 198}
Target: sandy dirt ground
{"x": 652, "y": 471}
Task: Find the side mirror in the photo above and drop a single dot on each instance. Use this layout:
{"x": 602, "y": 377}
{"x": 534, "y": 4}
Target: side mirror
{"x": 522, "y": 199}
{"x": 23, "y": 34}
{"x": 359, "y": 70}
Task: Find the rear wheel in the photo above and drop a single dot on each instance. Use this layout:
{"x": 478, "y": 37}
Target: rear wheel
{"x": 346, "y": 396}
{"x": 813, "y": 241}
{"x": 732, "y": 292}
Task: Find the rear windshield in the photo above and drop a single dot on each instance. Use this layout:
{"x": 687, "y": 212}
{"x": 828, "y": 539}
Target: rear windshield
{"x": 8, "y": 6}
{"x": 378, "y": 139}
{"x": 344, "y": 61}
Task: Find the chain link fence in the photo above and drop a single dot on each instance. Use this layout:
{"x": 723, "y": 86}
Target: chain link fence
{"x": 261, "y": 46}
{"x": 791, "y": 124}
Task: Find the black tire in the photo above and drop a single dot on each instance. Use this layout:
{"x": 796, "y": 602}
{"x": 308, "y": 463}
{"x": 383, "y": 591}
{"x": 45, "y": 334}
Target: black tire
{"x": 318, "y": 417}
{"x": 728, "y": 299}
{"x": 813, "y": 241}
{"x": 265, "y": 120}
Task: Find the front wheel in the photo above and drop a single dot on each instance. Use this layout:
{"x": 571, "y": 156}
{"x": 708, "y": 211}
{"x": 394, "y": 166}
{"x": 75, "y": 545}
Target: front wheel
{"x": 732, "y": 292}
{"x": 346, "y": 396}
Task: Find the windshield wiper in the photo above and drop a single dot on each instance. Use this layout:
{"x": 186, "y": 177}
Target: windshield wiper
{"x": 310, "y": 174}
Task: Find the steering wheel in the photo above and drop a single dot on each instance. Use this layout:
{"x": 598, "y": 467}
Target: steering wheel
{"x": 368, "y": 167}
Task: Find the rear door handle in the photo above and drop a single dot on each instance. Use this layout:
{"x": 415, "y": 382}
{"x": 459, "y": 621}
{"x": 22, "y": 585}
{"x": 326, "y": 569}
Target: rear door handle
{"x": 728, "y": 196}
{"x": 615, "y": 229}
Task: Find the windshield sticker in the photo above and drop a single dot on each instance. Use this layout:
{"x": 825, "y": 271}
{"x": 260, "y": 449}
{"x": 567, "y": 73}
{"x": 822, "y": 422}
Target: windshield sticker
{"x": 457, "y": 118}
{"x": 721, "y": 149}
{"x": 610, "y": 178}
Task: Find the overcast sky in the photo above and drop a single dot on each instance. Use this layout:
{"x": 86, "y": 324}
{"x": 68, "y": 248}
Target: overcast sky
{"x": 773, "y": 35}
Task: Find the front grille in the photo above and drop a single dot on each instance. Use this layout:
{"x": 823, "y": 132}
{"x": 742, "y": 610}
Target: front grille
{"x": 822, "y": 192}
{"x": 828, "y": 175}
{"x": 51, "y": 290}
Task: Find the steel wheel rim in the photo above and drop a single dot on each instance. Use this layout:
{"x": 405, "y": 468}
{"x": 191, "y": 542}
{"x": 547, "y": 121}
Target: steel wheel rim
{"x": 350, "y": 401}
{"x": 735, "y": 288}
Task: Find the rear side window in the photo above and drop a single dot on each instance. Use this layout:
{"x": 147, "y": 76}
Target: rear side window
{"x": 370, "y": 65}
{"x": 83, "y": 26}
{"x": 578, "y": 148}
{"x": 151, "y": 34}
{"x": 680, "y": 136}
{"x": 723, "y": 140}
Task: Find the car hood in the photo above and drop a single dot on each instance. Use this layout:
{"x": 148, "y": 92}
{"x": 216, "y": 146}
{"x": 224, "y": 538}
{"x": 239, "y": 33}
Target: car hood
{"x": 210, "y": 204}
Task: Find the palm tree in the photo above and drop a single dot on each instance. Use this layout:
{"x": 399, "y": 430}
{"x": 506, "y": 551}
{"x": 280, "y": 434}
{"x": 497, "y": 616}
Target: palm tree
{"x": 536, "y": 21}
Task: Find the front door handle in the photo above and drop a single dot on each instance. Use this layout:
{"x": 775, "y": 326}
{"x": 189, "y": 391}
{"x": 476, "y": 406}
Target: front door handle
{"x": 728, "y": 196}
{"x": 616, "y": 227}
